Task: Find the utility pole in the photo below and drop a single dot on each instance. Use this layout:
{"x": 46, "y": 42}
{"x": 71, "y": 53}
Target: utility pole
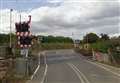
{"x": 20, "y": 18}
{"x": 73, "y": 39}
{"x": 87, "y": 40}
{"x": 10, "y": 27}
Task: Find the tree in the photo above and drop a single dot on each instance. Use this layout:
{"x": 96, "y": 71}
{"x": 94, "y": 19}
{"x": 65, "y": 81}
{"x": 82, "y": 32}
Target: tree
{"x": 104, "y": 36}
{"x": 57, "y": 39}
{"x": 119, "y": 37}
{"x": 4, "y": 39}
{"x": 90, "y": 38}
{"x": 115, "y": 42}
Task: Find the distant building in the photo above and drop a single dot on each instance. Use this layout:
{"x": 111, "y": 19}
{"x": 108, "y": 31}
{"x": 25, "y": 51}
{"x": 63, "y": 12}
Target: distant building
{"x": 76, "y": 43}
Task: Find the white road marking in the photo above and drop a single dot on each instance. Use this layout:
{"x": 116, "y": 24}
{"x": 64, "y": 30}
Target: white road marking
{"x": 35, "y": 72}
{"x": 103, "y": 68}
{"x": 45, "y": 73}
{"x": 36, "y": 68}
{"x": 81, "y": 76}
{"x": 46, "y": 69}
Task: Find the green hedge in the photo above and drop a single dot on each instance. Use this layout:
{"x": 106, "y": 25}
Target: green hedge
{"x": 101, "y": 46}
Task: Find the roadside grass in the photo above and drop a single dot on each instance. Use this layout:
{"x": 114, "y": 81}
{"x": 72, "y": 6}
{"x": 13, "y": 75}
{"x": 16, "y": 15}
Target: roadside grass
{"x": 51, "y": 46}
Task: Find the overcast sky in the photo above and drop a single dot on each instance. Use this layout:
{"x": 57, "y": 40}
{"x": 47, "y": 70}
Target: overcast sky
{"x": 63, "y": 17}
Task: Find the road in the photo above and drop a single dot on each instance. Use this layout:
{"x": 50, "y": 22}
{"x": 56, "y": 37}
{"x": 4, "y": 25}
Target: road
{"x": 66, "y": 66}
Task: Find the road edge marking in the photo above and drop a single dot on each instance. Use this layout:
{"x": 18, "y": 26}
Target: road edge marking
{"x": 45, "y": 73}
{"x": 84, "y": 77}
{"x": 35, "y": 72}
{"x": 46, "y": 69}
{"x": 104, "y": 68}
{"x": 36, "y": 68}
{"x": 78, "y": 75}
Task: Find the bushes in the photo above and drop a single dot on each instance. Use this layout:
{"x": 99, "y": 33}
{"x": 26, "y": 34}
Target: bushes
{"x": 84, "y": 52}
{"x": 101, "y": 46}
{"x": 116, "y": 55}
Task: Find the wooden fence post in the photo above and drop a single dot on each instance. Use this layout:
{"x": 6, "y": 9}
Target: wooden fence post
{"x": 93, "y": 54}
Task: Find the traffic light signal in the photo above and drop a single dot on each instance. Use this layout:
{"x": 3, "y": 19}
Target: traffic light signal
{"x": 18, "y": 27}
{"x": 25, "y": 27}
{"x": 23, "y": 33}
{"x": 25, "y": 41}
{"x": 22, "y": 28}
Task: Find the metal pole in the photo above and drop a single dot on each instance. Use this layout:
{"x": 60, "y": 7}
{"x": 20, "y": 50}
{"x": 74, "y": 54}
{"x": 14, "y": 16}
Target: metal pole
{"x": 73, "y": 39}
{"x": 20, "y": 18}
{"x": 93, "y": 54}
{"x": 26, "y": 52}
{"x": 87, "y": 40}
{"x": 39, "y": 58}
{"x": 10, "y": 26}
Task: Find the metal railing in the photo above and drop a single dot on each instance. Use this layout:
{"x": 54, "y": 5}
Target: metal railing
{"x": 24, "y": 67}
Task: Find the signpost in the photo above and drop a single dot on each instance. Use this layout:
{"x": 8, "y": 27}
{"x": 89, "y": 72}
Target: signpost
{"x": 24, "y": 36}
{"x": 10, "y": 39}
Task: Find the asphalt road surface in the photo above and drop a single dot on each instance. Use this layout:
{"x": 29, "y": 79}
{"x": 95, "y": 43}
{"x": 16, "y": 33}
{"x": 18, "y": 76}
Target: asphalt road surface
{"x": 66, "y": 66}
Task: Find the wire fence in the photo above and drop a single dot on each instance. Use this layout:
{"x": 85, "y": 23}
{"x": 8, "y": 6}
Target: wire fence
{"x": 15, "y": 68}
{"x": 24, "y": 67}
{"x": 19, "y": 69}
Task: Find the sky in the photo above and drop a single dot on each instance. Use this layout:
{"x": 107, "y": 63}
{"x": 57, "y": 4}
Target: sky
{"x": 70, "y": 18}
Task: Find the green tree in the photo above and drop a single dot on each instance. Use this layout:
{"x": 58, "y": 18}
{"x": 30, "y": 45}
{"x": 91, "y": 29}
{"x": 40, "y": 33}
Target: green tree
{"x": 115, "y": 42}
{"x": 90, "y": 38}
{"x": 57, "y": 39}
{"x": 104, "y": 36}
{"x": 5, "y": 38}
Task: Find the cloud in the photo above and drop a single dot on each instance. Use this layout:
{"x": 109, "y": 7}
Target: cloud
{"x": 78, "y": 17}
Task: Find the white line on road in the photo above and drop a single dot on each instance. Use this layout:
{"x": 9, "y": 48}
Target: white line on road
{"x": 85, "y": 78}
{"x": 36, "y": 68}
{"x": 35, "y": 72}
{"x": 117, "y": 74}
{"x": 46, "y": 69}
{"x": 80, "y": 75}
{"x": 45, "y": 73}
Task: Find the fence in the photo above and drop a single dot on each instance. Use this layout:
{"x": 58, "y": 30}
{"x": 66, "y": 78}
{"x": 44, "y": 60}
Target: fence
{"x": 101, "y": 57}
{"x": 23, "y": 68}
{"x": 116, "y": 56}
{"x": 110, "y": 57}
{"x": 5, "y": 66}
